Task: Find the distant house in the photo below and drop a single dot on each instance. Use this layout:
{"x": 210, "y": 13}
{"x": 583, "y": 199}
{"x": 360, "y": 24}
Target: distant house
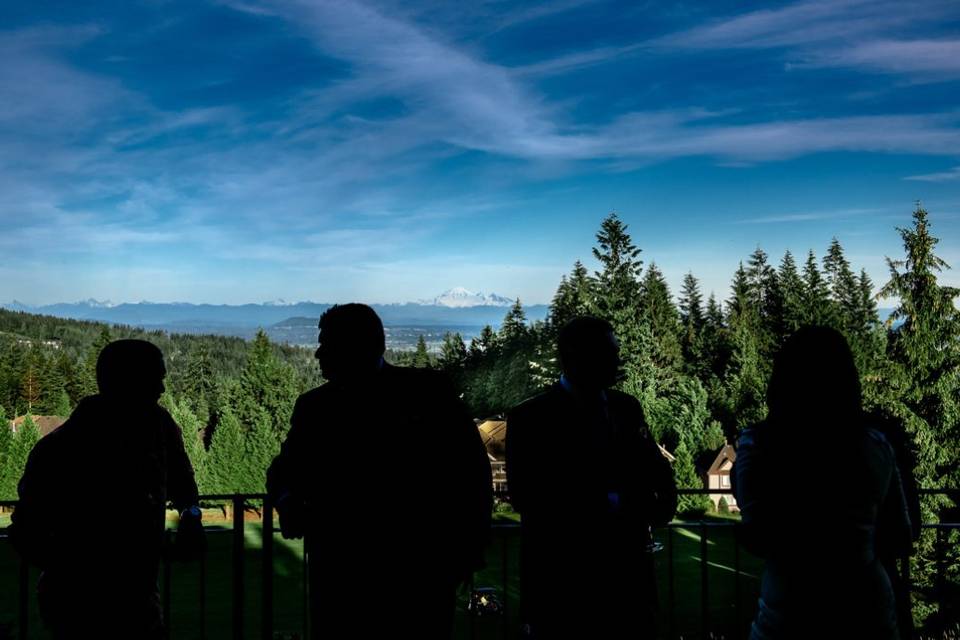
{"x": 493, "y": 433}
{"x": 717, "y": 476}
{"x": 45, "y": 424}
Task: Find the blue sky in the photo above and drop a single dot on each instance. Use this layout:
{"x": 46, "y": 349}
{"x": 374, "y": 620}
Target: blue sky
{"x": 246, "y": 150}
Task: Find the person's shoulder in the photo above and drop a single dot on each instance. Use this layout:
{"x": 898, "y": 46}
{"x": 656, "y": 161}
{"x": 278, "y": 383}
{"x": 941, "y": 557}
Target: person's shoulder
{"x": 543, "y": 402}
{"x": 624, "y": 400}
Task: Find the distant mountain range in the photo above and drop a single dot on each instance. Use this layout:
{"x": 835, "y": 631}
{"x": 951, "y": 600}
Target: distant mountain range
{"x": 455, "y": 308}
{"x": 458, "y": 297}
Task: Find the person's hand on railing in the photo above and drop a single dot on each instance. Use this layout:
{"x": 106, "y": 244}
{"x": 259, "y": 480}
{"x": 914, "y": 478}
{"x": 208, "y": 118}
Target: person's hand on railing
{"x": 190, "y": 541}
{"x": 292, "y": 515}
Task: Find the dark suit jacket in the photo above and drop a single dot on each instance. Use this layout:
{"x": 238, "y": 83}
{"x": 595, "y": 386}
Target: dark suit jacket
{"x": 564, "y": 460}
{"x": 397, "y": 485}
{"x": 93, "y": 498}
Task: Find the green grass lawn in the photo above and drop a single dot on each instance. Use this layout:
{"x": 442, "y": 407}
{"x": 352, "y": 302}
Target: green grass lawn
{"x": 503, "y": 556}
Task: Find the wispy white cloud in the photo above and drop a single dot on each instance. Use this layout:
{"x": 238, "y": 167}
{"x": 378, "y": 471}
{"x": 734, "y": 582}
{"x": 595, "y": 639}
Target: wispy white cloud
{"x": 860, "y": 34}
{"x": 808, "y": 216}
{"x": 942, "y": 176}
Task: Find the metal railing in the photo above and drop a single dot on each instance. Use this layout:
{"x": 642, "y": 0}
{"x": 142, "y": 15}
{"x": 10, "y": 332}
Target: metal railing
{"x": 240, "y": 503}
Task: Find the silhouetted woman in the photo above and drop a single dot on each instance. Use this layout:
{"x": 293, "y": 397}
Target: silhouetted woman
{"x": 821, "y": 499}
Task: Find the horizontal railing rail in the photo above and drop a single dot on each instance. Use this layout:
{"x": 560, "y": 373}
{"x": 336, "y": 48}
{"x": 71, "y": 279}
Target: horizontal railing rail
{"x": 240, "y": 504}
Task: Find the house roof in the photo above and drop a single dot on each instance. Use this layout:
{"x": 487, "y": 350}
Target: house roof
{"x": 727, "y": 453}
{"x": 492, "y": 431}
{"x": 45, "y": 424}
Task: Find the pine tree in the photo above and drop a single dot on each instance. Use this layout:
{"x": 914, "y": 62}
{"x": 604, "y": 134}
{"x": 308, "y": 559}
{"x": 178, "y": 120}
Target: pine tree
{"x": 927, "y": 346}
{"x": 88, "y": 378}
{"x": 199, "y": 381}
{"x": 924, "y": 389}
{"x": 484, "y": 343}
{"x": 225, "y": 458}
{"x": 660, "y": 315}
{"x": 816, "y": 294}
{"x": 260, "y": 448}
{"x": 686, "y": 476}
{"x": 574, "y": 297}
{"x": 791, "y": 296}
{"x": 514, "y": 328}
{"x": 453, "y": 352}
{"x": 618, "y": 300}
{"x": 26, "y": 436}
{"x": 421, "y": 357}
{"x": 7, "y": 482}
{"x": 692, "y": 322}
{"x": 192, "y": 430}
{"x": 266, "y": 383}
{"x": 844, "y": 290}
{"x": 764, "y": 298}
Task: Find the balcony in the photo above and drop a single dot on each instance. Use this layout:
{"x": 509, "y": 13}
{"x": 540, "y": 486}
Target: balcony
{"x": 244, "y": 588}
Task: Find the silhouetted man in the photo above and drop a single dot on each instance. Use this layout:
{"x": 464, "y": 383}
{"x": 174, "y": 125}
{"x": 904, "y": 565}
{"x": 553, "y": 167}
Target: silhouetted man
{"x": 589, "y": 482}
{"x": 384, "y": 473}
{"x": 93, "y": 498}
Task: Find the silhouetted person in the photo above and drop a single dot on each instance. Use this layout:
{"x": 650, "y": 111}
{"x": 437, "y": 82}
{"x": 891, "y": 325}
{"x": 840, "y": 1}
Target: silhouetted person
{"x": 821, "y": 499}
{"x": 894, "y": 430}
{"x": 589, "y": 482}
{"x": 93, "y": 497}
{"x": 384, "y": 473}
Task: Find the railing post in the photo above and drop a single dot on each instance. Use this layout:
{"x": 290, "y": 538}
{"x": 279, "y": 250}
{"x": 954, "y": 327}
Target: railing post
{"x": 941, "y": 571}
{"x": 267, "y": 568}
{"x": 704, "y": 579}
{"x": 203, "y": 596}
{"x": 671, "y": 602}
{"x": 23, "y": 624}
{"x": 238, "y": 587}
{"x": 167, "y": 575}
{"x": 736, "y": 581}
{"x": 306, "y": 588}
{"x": 505, "y": 569}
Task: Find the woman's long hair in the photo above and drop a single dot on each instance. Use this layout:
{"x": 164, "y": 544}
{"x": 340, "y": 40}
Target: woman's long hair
{"x": 814, "y": 391}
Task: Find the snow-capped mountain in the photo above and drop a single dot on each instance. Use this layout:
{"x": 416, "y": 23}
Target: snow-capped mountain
{"x": 459, "y": 297}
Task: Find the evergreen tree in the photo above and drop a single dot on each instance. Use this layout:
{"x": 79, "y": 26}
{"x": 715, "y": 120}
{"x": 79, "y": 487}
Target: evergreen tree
{"x": 260, "y": 448}
{"x": 618, "y": 301}
{"x": 686, "y": 476}
{"x": 514, "y": 328}
{"x": 265, "y": 383}
{"x": 792, "y": 294}
{"x": 88, "y": 377}
{"x": 924, "y": 384}
{"x": 192, "y": 430}
{"x": 660, "y": 315}
{"x": 453, "y": 352}
{"x": 421, "y": 357}
{"x": 485, "y": 342}
{"x": 844, "y": 290}
{"x": 7, "y": 482}
{"x": 816, "y": 294}
{"x": 764, "y": 299}
{"x": 574, "y": 297}
{"x": 26, "y": 436}
{"x": 692, "y": 322}
{"x": 225, "y": 458}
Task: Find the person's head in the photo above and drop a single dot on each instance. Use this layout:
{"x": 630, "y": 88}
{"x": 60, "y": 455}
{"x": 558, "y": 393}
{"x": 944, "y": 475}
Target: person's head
{"x": 589, "y": 352}
{"x": 351, "y": 342}
{"x": 815, "y": 382}
{"x": 131, "y": 371}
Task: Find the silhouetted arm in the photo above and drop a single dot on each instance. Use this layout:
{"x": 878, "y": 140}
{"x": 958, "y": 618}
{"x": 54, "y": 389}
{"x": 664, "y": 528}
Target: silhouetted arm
{"x": 663, "y": 486}
{"x": 894, "y": 531}
{"x": 749, "y": 491}
{"x": 181, "y": 482}
{"x": 473, "y": 479}
{"x": 284, "y": 477}
{"x": 517, "y": 459}
{"x": 31, "y": 524}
